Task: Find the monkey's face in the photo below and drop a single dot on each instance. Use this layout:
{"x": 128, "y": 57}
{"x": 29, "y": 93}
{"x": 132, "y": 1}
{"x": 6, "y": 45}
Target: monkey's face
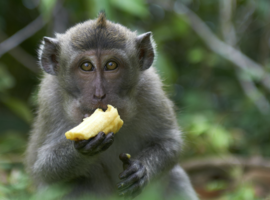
{"x": 96, "y": 78}
{"x": 97, "y": 63}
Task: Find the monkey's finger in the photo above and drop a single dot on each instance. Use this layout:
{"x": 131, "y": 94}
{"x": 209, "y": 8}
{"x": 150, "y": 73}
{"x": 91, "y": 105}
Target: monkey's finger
{"x": 142, "y": 183}
{"x": 80, "y": 144}
{"x": 134, "y": 189}
{"x": 133, "y": 167}
{"x": 106, "y": 142}
{"x": 131, "y": 179}
{"x": 109, "y": 136}
{"x": 125, "y": 158}
{"x": 93, "y": 144}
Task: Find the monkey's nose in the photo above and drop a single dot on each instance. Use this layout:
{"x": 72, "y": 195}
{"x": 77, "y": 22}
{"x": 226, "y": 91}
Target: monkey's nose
{"x": 99, "y": 97}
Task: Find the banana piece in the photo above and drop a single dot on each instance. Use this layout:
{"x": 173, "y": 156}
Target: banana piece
{"x": 108, "y": 121}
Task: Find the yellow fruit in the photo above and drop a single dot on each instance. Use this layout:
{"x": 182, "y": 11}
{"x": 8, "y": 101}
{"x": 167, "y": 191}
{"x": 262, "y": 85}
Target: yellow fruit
{"x": 108, "y": 121}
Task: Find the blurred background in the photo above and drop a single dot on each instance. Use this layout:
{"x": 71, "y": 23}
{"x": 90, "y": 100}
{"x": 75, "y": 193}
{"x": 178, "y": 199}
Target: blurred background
{"x": 214, "y": 58}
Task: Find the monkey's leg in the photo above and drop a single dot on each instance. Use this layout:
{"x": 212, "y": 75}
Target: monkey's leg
{"x": 179, "y": 185}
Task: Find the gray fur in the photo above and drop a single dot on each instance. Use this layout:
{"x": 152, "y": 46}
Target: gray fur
{"x": 150, "y": 132}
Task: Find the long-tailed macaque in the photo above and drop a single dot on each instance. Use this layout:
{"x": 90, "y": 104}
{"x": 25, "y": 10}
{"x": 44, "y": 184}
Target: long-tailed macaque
{"x": 94, "y": 64}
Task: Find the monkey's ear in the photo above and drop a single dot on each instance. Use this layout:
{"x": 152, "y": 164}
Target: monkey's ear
{"x": 145, "y": 50}
{"x": 49, "y": 55}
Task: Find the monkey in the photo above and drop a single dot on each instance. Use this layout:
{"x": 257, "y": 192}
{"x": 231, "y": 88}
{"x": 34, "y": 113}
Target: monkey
{"x": 91, "y": 65}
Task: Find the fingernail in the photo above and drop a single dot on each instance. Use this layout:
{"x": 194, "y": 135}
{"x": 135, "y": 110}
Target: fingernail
{"x": 103, "y": 134}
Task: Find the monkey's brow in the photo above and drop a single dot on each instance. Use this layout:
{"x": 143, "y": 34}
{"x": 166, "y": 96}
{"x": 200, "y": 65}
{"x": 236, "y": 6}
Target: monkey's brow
{"x": 104, "y": 38}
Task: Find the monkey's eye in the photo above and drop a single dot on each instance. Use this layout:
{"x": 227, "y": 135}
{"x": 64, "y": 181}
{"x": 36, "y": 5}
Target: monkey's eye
{"x": 87, "y": 66}
{"x": 111, "y": 65}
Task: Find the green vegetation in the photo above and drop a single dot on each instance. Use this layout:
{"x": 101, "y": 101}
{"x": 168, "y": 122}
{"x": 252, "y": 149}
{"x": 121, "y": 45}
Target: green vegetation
{"x": 222, "y": 98}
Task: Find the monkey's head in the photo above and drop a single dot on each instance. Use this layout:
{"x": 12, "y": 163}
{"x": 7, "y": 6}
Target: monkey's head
{"x": 97, "y": 63}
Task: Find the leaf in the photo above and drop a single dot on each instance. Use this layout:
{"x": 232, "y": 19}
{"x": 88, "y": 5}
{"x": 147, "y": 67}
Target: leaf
{"x": 196, "y": 55}
{"x": 180, "y": 26}
{"x": 12, "y": 141}
{"x": 6, "y": 79}
{"x": 4, "y": 189}
{"x": 163, "y": 33}
{"x": 166, "y": 69}
{"x": 46, "y": 8}
{"x": 18, "y": 179}
{"x": 220, "y": 138}
{"x": 137, "y": 8}
{"x": 18, "y": 107}
{"x": 200, "y": 125}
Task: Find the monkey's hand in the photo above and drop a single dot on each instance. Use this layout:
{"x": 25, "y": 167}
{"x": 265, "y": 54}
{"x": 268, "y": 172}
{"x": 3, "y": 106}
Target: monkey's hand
{"x": 133, "y": 178}
{"x": 94, "y": 145}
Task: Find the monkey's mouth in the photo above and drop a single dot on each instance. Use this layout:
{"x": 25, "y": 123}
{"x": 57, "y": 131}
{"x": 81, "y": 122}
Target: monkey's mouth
{"x": 102, "y": 107}
{"x": 86, "y": 115}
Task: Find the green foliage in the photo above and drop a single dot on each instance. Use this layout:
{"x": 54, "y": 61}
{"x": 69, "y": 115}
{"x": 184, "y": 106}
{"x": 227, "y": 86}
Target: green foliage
{"x": 12, "y": 142}
{"x": 196, "y": 55}
{"x": 137, "y": 8}
{"x": 19, "y": 108}
{"x": 208, "y": 136}
{"x": 165, "y": 69}
{"x": 6, "y": 79}
{"x": 17, "y": 185}
{"x": 180, "y": 27}
{"x": 246, "y": 192}
{"x": 216, "y": 115}
{"x": 214, "y": 134}
{"x": 46, "y": 8}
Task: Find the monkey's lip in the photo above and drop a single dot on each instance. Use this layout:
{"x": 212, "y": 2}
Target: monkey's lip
{"x": 102, "y": 107}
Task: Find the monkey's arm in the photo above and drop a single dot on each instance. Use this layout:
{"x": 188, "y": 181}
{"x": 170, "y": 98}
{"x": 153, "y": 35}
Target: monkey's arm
{"x": 64, "y": 159}
{"x": 57, "y": 161}
{"x": 151, "y": 162}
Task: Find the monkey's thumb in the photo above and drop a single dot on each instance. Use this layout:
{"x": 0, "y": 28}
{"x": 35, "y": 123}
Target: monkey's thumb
{"x": 125, "y": 158}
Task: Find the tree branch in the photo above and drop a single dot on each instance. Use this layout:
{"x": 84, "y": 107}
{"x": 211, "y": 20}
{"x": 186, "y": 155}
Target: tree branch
{"x": 254, "y": 162}
{"x": 253, "y": 93}
{"x": 21, "y": 35}
{"x": 22, "y": 56}
{"x": 229, "y": 35}
{"x": 252, "y": 68}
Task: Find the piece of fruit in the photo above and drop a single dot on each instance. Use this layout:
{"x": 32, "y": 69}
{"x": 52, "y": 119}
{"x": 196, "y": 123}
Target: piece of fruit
{"x": 108, "y": 121}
